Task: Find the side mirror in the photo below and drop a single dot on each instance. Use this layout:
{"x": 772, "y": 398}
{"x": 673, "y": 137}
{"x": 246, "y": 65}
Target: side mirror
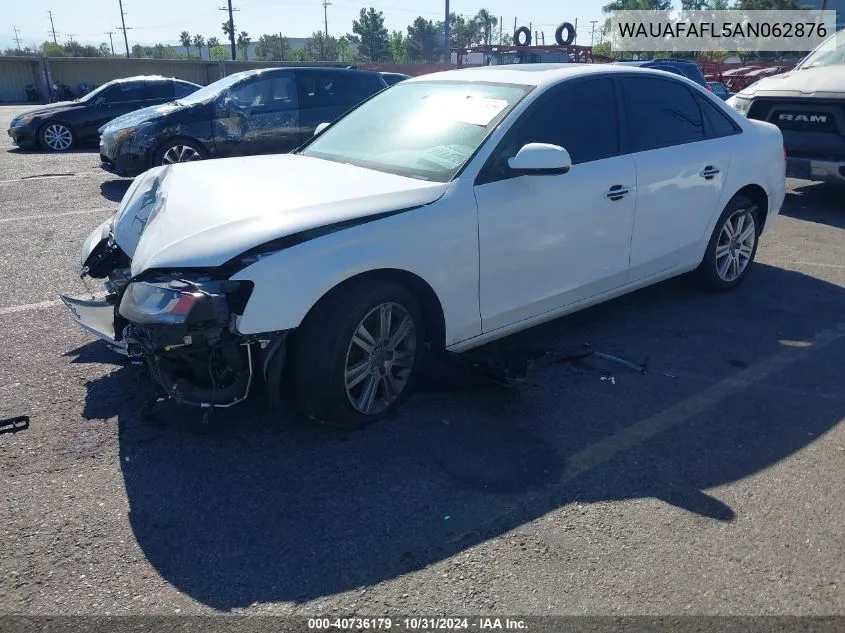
{"x": 320, "y": 128}
{"x": 541, "y": 158}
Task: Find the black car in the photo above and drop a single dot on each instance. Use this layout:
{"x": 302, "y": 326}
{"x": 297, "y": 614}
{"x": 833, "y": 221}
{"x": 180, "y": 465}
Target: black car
{"x": 681, "y": 67}
{"x": 271, "y": 110}
{"x": 67, "y": 124}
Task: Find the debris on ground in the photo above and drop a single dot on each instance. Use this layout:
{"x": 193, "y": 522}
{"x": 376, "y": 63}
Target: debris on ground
{"x": 15, "y": 424}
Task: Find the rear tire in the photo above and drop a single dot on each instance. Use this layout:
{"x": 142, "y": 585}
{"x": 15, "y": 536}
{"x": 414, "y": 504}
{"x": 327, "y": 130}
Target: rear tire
{"x": 357, "y": 355}
{"x": 732, "y": 247}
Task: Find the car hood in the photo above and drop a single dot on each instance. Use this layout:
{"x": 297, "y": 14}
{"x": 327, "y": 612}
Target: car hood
{"x": 140, "y": 116}
{"x": 215, "y": 210}
{"x": 818, "y": 82}
{"x": 51, "y": 108}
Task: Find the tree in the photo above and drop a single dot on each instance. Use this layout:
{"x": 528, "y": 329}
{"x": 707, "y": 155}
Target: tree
{"x": 637, "y": 5}
{"x": 53, "y": 50}
{"x": 105, "y": 49}
{"x": 345, "y": 53}
{"x": 185, "y": 39}
{"x": 371, "y": 36}
{"x": 319, "y": 47}
{"x": 398, "y": 50}
{"x": 271, "y": 48}
{"x": 213, "y": 41}
{"x": 199, "y": 42}
{"x": 243, "y": 44}
{"x": 421, "y": 41}
{"x": 218, "y": 53}
{"x": 75, "y": 49}
{"x": 486, "y": 23}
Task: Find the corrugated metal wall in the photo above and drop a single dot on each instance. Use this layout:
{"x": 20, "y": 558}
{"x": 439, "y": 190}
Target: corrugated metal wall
{"x": 15, "y": 75}
{"x": 93, "y": 70}
{"x": 17, "y": 72}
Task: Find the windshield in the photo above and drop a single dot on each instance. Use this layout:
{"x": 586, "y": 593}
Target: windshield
{"x": 422, "y": 130}
{"x": 829, "y": 53}
{"x": 212, "y": 90}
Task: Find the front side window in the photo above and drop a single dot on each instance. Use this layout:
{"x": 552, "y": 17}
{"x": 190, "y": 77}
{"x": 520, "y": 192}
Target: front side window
{"x": 127, "y": 91}
{"x": 579, "y": 116}
{"x": 271, "y": 93}
{"x": 159, "y": 90}
{"x": 660, "y": 113}
{"x": 424, "y": 130}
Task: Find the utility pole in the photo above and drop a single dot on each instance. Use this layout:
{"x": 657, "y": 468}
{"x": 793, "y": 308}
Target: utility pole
{"x": 123, "y": 27}
{"x": 231, "y": 29}
{"x": 575, "y": 39}
{"x": 17, "y": 38}
{"x": 326, "y": 4}
{"x": 111, "y": 41}
{"x": 447, "y": 51}
{"x": 53, "y": 28}
{"x": 593, "y": 32}
{"x": 500, "y": 30}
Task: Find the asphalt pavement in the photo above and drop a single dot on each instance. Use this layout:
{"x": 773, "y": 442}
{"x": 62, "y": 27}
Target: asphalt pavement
{"x": 713, "y": 484}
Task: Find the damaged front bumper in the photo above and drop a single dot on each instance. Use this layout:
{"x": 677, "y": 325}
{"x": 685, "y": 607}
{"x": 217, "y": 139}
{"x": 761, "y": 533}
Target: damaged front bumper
{"x": 181, "y": 326}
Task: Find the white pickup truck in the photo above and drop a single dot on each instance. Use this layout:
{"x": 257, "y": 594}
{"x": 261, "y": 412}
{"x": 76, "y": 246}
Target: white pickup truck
{"x": 808, "y": 105}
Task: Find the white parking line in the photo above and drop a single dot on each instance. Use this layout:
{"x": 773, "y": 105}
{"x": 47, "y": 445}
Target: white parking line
{"x": 605, "y": 450}
{"x": 821, "y": 265}
{"x": 41, "y": 305}
{"x": 57, "y": 215}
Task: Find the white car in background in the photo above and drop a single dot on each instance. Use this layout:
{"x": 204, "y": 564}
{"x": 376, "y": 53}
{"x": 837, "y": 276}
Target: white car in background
{"x": 449, "y": 211}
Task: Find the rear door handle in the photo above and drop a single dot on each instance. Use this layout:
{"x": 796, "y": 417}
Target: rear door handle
{"x": 708, "y": 172}
{"x": 616, "y": 192}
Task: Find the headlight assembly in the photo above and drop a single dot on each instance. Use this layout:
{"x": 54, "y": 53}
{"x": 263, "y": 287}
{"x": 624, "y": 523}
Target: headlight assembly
{"x": 178, "y": 301}
{"x": 26, "y": 119}
{"x": 740, "y": 104}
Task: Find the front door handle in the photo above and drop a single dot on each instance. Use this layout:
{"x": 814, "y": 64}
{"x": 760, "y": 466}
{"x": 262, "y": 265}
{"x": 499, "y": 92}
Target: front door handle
{"x": 708, "y": 172}
{"x": 616, "y": 192}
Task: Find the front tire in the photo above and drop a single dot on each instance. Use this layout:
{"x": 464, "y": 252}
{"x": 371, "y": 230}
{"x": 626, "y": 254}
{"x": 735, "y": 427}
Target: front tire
{"x": 56, "y": 136}
{"x": 357, "y": 355}
{"x": 732, "y": 247}
{"x": 178, "y": 151}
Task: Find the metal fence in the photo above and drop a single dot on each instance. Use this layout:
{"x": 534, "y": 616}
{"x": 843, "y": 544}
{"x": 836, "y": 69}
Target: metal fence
{"x": 16, "y": 73}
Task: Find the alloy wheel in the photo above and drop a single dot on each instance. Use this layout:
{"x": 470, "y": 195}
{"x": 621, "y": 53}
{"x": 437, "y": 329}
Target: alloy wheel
{"x": 58, "y": 137}
{"x": 735, "y": 245}
{"x": 180, "y": 154}
{"x": 380, "y": 358}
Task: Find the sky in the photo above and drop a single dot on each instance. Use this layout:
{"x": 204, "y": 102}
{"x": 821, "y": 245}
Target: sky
{"x": 161, "y": 21}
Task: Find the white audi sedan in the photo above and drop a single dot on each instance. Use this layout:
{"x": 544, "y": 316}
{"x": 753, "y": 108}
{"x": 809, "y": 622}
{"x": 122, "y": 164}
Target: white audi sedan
{"x": 449, "y": 211}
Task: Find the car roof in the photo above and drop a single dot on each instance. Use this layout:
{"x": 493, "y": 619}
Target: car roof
{"x": 532, "y": 74}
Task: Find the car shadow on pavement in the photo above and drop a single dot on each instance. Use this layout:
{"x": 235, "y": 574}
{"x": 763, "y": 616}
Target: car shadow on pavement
{"x": 115, "y": 189}
{"x": 78, "y": 150}
{"x": 817, "y": 202}
{"x": 255, "y": 507}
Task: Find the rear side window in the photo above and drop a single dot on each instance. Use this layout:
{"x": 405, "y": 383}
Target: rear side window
{"x": 319, "y": 89}
{"x": 183, "y": 89}
{"x": 158, "y": 90}
{"x": 718, "y": 122}
{"x": 661, "y": 113}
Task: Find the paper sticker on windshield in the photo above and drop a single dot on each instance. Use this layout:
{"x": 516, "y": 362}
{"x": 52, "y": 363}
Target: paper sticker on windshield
{"x": 467, "y": 108}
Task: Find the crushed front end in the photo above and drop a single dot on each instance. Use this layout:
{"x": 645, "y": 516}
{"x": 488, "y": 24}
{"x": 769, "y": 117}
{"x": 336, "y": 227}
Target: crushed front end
{"x": 180, "y": 324}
